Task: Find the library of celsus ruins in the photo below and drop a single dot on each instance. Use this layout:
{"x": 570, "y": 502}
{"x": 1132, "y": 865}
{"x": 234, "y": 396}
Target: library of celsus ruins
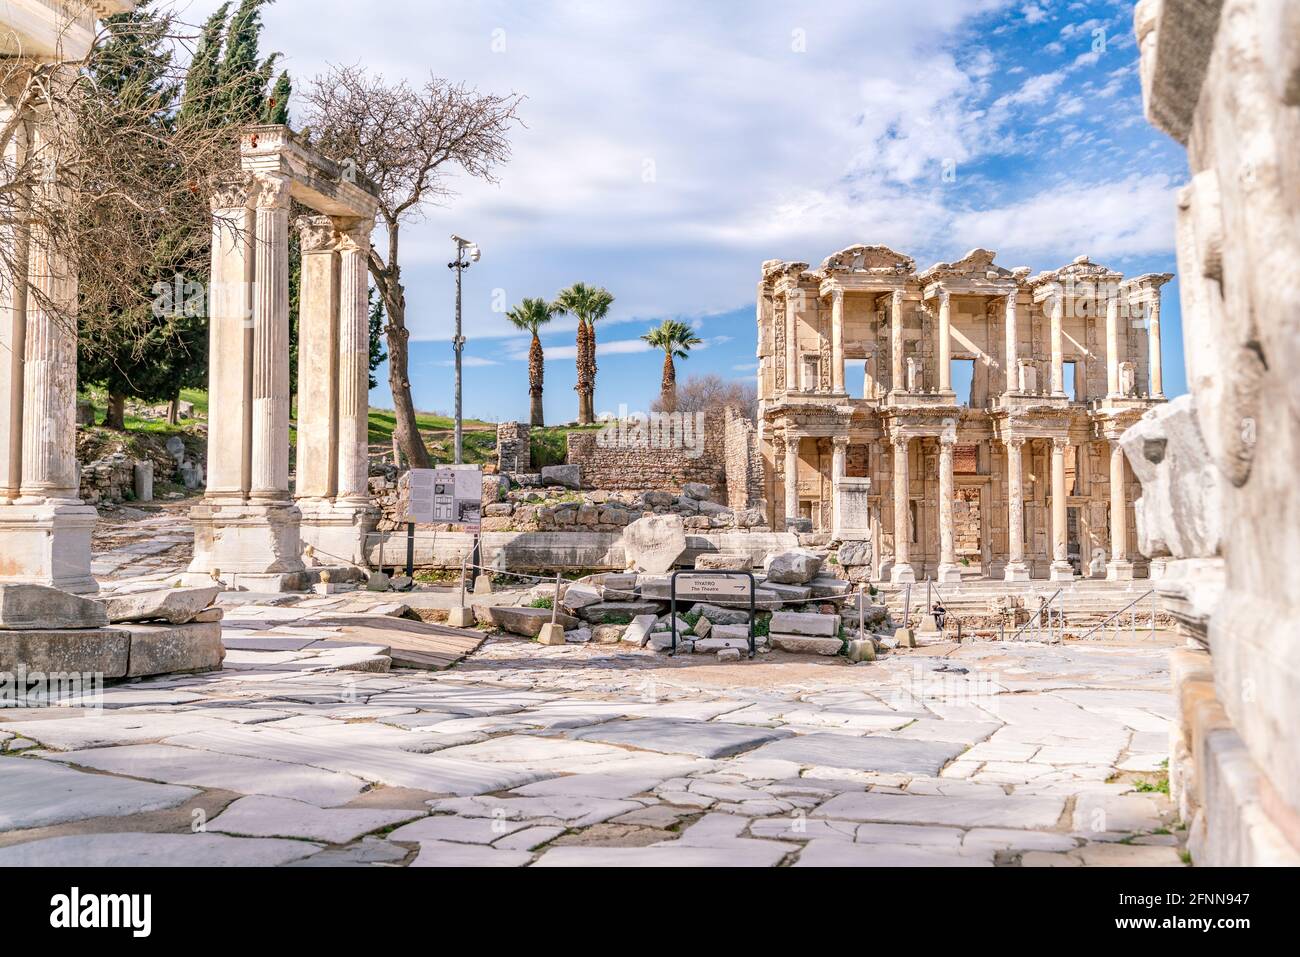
{"x": 1020, "y": 474}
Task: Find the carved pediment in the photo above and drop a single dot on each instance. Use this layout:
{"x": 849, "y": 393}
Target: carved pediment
{"x": 879, "y": 260}
{"x": 774, "y": 269}
{"x": 1082, "y": 268}
{"x": 976, "y": 264}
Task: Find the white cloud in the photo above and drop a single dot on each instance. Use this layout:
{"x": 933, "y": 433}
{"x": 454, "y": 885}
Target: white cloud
{"x": 1033, "y": 13}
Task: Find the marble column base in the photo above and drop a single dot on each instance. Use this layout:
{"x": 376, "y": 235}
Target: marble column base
{"x": 902, "y": 574}
{"x": 244, "y": 539}
{"x": 948, "y": 574}
{"x": 48, "y": 544}
{"x": 1119, "y": 570}
{"x": 337, "y": 531}
{"x": 1016, "y": 572}
{"x": 1061, "y": 572}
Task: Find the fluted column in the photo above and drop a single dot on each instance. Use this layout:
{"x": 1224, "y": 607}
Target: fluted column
{"x": 791, "y": 346}
{"x": 13, "y": 327}
{"x": 839, "y": 461}
{"x": 896, "y": 381}
{"x": 318, "y": 360}
{"x": 902, "y": 571}
{"x": 791, "y": 478}
{"x": 230, "y": 341}
{"x": 1016, "y": 570}
{"x": 948, "y": 570}
{"x": 945, "y": 342}
{"x": 354, "y": 365}
{"x": 1061, "y": 568}
{"x": 1013, "y": 373}
{"x": 270, "y": 445}
{"x": 837, "y": 341}
{"x": 1057, "y": 307}
{"x": 1112, "y": 345}
{"x": 1153, "y": 347}
{"x": 1120, "y": 568}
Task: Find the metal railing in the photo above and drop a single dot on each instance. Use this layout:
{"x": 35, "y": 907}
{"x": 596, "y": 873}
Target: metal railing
{"x": 1045, "y": 609}
{"x": 1132, "y": 618}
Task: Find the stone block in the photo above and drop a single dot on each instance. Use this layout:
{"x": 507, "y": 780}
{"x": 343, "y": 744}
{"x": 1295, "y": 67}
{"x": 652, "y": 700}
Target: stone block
{"x": 551, "y": 634}
{"x": 853, "y": 554}
{"x": 697, "y": 490}
{"x": 38, "y": 607}
{"x": 803, "y": 645}
{"x": 102, "y": 651}
{"x": 825, "y": 587}
{"x": 171, "y": 649}
{"x": 567, "y": 476}
{"x": 795, "y": 567}
{"x": 799, "y": 623}
{"x": 789, "y": 593}
{"x": 173, "y": 605}
{"x": 724, "y": 561}
{"x": 638, "y": 633}
{"x": 862, "y": 649}
{"x": 579, "y": 595}
{"x": 703, "y": 627}
{"x": 707, "y": 645}
{"x": 729, "y": 654}
{"x": 607, "y": 634}
{"x": 654, "y": 544}
{"x": 602, "y": 612}
{"x": 528, "y": 622}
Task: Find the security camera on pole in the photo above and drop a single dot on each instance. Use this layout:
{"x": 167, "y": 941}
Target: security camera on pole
{"x": 466, "y": 254}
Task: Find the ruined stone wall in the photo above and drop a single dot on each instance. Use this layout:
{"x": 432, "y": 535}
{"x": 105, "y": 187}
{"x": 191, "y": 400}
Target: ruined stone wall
{"x": 514, "y": 448}
{"x": 630, "y": 465}
{"x": 743, "y": 462}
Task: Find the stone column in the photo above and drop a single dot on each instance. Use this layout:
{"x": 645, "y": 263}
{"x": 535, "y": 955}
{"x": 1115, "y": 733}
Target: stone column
{"x": 839, "y": 458}
{"x": 837, "y": 341}
{"x": 354, "y": 366}
{"x": 230, "y": 341}
{"x": 791, "y": 478}
{"x": 902, "y": 571}
{"x": 945, "y": 342}
{"x": 897, "y": 381}
{"x": 1057, "y": 306}
{"x": 1120, "y": 568}
{"x": 1061, "y": 568}
{"x": 318, "y": 355}
{"x": 13, "y": 330}
{"x": 1016, "y": 570}
{"x": 948, "y": 570}
{"x": 791, "y": 345}
{"x": 1153, "y": 347}
{"x": 270, "y": 478}
{"x": 1112, "y": 345}
{"x": 1013, "y": 373}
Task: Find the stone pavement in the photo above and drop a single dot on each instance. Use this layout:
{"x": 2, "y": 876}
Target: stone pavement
{"x": 977, "y": 755}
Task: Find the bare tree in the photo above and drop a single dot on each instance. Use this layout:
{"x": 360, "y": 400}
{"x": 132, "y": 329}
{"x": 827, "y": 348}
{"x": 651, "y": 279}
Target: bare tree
{"x": 704, "y": 393}
{"x": 406, "y": 141}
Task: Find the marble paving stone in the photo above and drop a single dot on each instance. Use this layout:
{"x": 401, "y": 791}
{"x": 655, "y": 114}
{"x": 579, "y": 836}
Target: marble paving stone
{"x": 862, "y": 721}
{"x": 446, "y": 854}
{"x": 1127, "y": 855}
{"x": 205, "y": 769}
{"x": 842, "y": 854}
{"x": 259, "y": 816}
{"x": 801, "y": 828}
{"x": 863, "y": 754}
{"x": 949, "y": 838}
{"x": 660, "y": 816}
{"x": 713, "y": 830}
{"x": 365, "y": 853}
{"x": 457, "y": 829}
{"x": 669, "y": 854}
{"x": 960, "y": 732}
{"x": 35, "y": 793}
{"x": 530, "y": 838}
{"x": 613, "y": 785}
{"x": 574, "y": 811}
{"x": 1010, "y": 811}
{"x": 100, "y": 730}
{"x": 1114, "y": 812}
{"x": 155, "y": 850}
{"x": 1008, "y": 839}
{"x": 555, "y": 755}
{"x": 705, "y": 739}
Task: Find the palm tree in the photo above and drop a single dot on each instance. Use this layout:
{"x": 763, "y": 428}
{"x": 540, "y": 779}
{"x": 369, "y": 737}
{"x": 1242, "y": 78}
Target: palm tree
{"x": 587, "y": 304}
{"x": 675, "y": 339}
{"x": 530, "y": 315}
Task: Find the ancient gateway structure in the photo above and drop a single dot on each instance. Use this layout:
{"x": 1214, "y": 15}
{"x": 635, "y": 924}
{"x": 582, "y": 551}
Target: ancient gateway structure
{"x": 45, "y": 528}
{"x": 249, "y": 528}
{"x": 865, "y": 437}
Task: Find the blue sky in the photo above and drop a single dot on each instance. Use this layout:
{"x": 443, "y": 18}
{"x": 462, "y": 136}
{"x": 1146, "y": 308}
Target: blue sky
{"x": 672, "y": 146}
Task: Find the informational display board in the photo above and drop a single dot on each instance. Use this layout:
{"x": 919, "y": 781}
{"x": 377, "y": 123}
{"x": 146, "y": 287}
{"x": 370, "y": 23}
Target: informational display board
{"x": 447, "y": 495}
{"x": 712, "y": 586}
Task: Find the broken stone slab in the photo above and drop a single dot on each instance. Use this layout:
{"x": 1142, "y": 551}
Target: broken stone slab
{"x": 795, "y": 567}
{"x": 825, "y": 587}
{"x": 602, "y": 612}
{"x": 890, "y": 755}
{"x": 578, "y": 596}
{"x": 174, "y": 649}
{"x": 37, "y": 793}
{"x": 102, "y": 651}
{"x": 567, "y": 476}
{"x": 528, "y": 622}
{"x": 261, "y": 816}
{"x": 173, "y": 605}
{"x": 789, "y": 593}
{"x": 729, "y": 654}
{"x": 703, "y": 627}
{"x": 38, "y": 607}
{"x": 707, "y": 645}
{"x": 607, "y": 634}
{"x": 966, "y": 810}
{"x": 654, "y": 544}
{"x": 852, "y": 554}
{"x": 734, "y": 632}
{"x": 801, "y": 623}
{"x": 705, "y": 739}
{"x": 578, "y": 636}
{"x": 722, "y": 616}
{"x": 638, "y": 633}
{"x": 155, "y": 850}
{"x": 724, "y": 561}
{"x": 657, "y": 587}
{"x": 803, "y": 645}
{"x": 697, "y": 490}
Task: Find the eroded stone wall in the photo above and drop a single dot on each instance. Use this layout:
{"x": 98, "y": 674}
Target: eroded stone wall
{"x": 628, "y": 464}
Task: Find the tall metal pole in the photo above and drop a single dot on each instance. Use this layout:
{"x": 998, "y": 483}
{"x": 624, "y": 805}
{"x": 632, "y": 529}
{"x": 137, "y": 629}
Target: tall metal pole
{"x": 459, "y": 344}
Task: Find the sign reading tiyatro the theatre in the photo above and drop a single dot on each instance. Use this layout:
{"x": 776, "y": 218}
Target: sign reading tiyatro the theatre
{"x": 713, "y": 586}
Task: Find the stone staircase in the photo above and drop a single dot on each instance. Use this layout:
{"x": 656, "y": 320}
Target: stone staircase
{"x": 1084, "y": 603}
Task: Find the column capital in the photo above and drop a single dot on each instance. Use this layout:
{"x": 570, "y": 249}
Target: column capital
{"x": 230, "y": 191}
{"x": 1059, "y": 443}
{"x": 947, "y": 441}
{"x": 840, "y": 441}
{"x": 271, "y": 190}
{"x": 1016, "y": 442}
{"x": 831, "y": 289}
{"x": 354, "y": 233}
{"x": 900, "y": 441}
{"x": 316, "y": 234}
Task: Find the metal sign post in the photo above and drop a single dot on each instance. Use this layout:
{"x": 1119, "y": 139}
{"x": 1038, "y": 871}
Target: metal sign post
{"x": 712, "y": 584}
